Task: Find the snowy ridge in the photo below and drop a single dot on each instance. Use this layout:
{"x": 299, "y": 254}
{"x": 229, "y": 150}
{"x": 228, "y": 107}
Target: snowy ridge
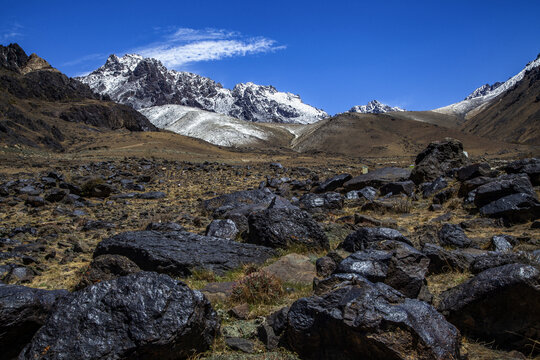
{"x": 145, "y": 82}
{"x": 486, "y": 93}
{"x": 214, "y": 128}
{"x": 374, "y": 107}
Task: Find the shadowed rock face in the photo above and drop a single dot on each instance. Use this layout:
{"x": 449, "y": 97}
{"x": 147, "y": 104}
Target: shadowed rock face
{"x": 23, "y": 311}
{"x": 179, "y": 253}
{"x": 500, "y": 304}
{"x": 377, "y": 178}
{"x": 140, "y": 316}
{"x": 371, "y": 321}
{"x": 363, "y": 237}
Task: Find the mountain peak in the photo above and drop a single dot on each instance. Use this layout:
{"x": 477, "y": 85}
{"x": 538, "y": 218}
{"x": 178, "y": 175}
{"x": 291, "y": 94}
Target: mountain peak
{"x": 374, "y": 107}
{"x": 145, "y": 82}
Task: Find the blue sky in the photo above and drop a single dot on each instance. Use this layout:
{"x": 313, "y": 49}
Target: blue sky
{"x": 415, "y": 54}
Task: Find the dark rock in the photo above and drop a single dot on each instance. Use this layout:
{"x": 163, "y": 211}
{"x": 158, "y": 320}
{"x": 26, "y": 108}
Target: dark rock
{"x": 236, "y": 201}
{"x": 377, "y": 178}
{"x": 502, "y": 243}
{"x": 429, "y": 188}
{"x": 441, "y": 260}
{"x": 500, "y": 304}
{"x": 468, "y": 186}
{"x": 73, "y": 189}
{"x": 368, "y": 193}
{"x": 501, "y": 187}
{"x": 240, "y": 311}
{"x": 398, "y": 187}
{"x": 472, "y": 171}
{"x": 163, "y": 227}
{"x": 516, "y": 208}
{"x": 361, "y": 239}
{"x": 531, "y": 167}
{"x": 479, "y": 223}
{"x": 152, "y": 195}
{"x": 107, "y": 267}
{"x": 280, "y": 228}
{"x": 218, "y": 291}
{"x": 371, "y": 321}
{"x": 366, "y": 220}
{"x": 240, "y": 344}
{"x": 453, "y": 235}
{"x": 325, "y": 266}
{"x": 370, "y": 264}
{"x": 23, "y": 311}
{"x": 179, "y": 253}
{"x": 443, "y": 196}
{"x": 55, "y": 195}
{"x": 97, "y": 224}
{"x": 435, "y": 207}
{"x": 97, "y": 189}
{"x": 223, "y": 229}
{"x": 35, "y": 201}
{"x": 18, "y": 275}
{"x": 535, "y": 224}
{"x": 494, "y": 259}
{"x": 438, "y": 159}
{"x": 30, "y": 190}
{"x": 139, "y": 316}
{"x": 333, "y": 183}
{"x": 321, "y": 202}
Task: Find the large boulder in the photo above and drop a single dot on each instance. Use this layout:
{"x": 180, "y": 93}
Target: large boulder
{"x": 398, "y": 187}
{"x": 107, "y": 267}
{"x": 515, "y": 208}
{"x": 442, "y": 260}
{"x": 222, "y": 228}
{"x": 501, "y": 187}
{"x": 139, "y": 316}
{"x": 438, "y": 159}
{"x": 283, "y": 227}
{"x": 361, "y": 238}
{"x": 473, "y": 171}
{"x": 500, "y": 304}
{"x": 178, "y": 253}
{"x": 235, "y": 202}
{"x": 531, "y": 167}
{"x": 23, "y": 311}
{"x": 368, "y": 321}
{"x": 377, "y": 178}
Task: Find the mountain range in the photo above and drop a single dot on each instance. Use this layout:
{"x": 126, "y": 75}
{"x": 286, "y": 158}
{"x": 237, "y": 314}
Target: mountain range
{"x": 374, "y": 107}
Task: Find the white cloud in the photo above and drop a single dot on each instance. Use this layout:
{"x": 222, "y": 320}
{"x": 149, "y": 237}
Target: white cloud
{"x": 11, "y": 32}
{"x": 184, "y": 46}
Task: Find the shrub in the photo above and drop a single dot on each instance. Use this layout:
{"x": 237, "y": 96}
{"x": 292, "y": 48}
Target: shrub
{"x": 257, "y": 288}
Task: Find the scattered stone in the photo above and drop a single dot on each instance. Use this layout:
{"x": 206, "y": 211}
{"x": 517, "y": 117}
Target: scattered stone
{"x": 430, "y": 188}
{"x": 179, "y": 253}
{"x": 441, "y": 260}
{"x": 453, "y": 235}
{"x": 318, "y": 202}
{"x": 438, "y": 159}
{"x": 152, "y": 195}
{"x": 398, "y": 187}
{"x": 494, "y": 259}
{"x": 360, "y": 239}
{"x": 333, "y": 183}
{"x": 240, "y": 311}
{"x": 473, "y": 171}
{"x": 325, "y": 266}
{"x": 23, "y": 311}
{"x": 377, "y": 178}
{"x": 55, "y": 195}
{"x": 222, "y": 228}
{"x": 163, "y": 227}
{"x": 281, "y": 228}
{"x": 501, "y": 187}
{"x": 35, "y": 201}
{"x": 239, "y": 344}
{"x": 218, "y": 291}
{"x": 147, "y": 314}
{"x": 500, "y": 304}
{"x": 516, "y": 208}
{"x": 502, "y": 243}
{"x": 98, "y": 224}
{"x": 531, "y": 167}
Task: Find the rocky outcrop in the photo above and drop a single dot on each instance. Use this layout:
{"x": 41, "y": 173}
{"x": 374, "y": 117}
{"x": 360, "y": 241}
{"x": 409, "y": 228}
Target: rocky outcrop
{"x": 365, "y": 236}
{"x": 368, "y": 320}
{"x": 140, "y": 316}
{"x": 499, "y": 304}
{"x": 377, "y": 178}
{"x": 23, "y": 311}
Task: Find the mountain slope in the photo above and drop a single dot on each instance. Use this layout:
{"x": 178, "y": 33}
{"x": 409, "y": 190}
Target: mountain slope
{"x": 39, "y": 105}
{"x": 216, "y": 128}
{"x": 514, "y": 116}
{"x": 382, "y": 135}
{"x": 478, "y": 99}
{"x": 374, "y": 107}
{"x": 145, "y": 82}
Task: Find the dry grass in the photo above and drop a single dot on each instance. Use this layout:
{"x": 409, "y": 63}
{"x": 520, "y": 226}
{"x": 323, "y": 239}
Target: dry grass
{"x": 257, "y": 288}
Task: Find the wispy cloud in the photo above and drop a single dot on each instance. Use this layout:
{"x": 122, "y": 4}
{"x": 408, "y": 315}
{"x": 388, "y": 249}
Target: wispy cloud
{"x": 184, "y": 46}
{"x": 84, "y": 59}
{"x": 11, "y": 32}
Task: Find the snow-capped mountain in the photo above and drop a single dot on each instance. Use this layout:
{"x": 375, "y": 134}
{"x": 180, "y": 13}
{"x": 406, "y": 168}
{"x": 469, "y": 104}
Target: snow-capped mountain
{"x": 374, "y": 107}
{"x": 145, "y": 82}
{"x": 484, "y": 94}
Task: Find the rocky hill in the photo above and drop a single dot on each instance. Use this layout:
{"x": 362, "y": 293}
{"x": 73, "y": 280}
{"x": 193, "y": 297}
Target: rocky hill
{"x": 38, "y": 104}
{"x": 145, "y": 82}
